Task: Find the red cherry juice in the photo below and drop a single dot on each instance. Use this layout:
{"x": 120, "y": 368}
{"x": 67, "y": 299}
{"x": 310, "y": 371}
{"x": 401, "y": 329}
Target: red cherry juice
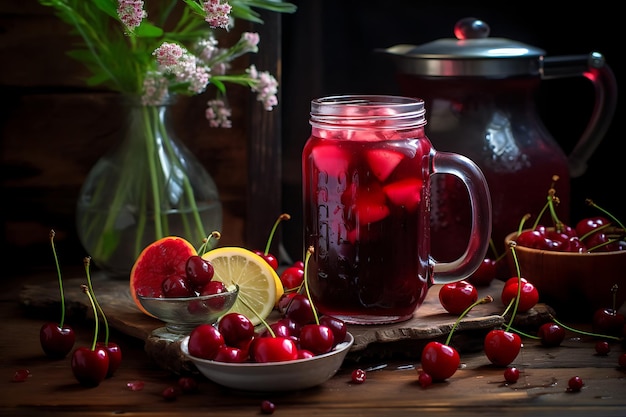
{"x": 366, "y": 198}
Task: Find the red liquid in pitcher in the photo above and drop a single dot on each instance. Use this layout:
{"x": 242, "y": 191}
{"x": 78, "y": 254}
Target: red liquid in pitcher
{"x": 365, "y": 202}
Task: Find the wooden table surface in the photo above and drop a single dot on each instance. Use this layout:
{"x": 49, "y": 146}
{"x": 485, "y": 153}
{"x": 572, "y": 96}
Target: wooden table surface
{"x": 476, "y": 388}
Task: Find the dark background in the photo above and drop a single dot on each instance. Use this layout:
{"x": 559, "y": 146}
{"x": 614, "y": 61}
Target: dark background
{"x": 328, "y": 48}
{"x": 53, "y": 129}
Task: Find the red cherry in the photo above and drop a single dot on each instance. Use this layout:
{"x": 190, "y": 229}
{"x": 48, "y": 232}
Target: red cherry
{"x": 205, "y": 341}
{"x": 214, "y": 287}
{"x": 90, "y": 367}
{"x": 602, "y": 347}
{"x": 175, "y": 286}
{"x": 621, "y": 361}
{"x": 171, "y": 393}
{"x": 274, "y": 349}
{"x": 424, "y": 379}
{"x": 535, "y": 239}
{"x": 56, "y": 341}
{"x": 511, "y": 374}
{"x": 551, "y": 334}
{"x": 305, "y": 354}
{"x": 284, "y": 301}
{"x": 317, "y": 338}
{"x": 590, "y": 224}
{"x": 608, "y": 321}
{"x": 485, "y": 273}
{"x": 188, "y": 384}
{"x": 199, "y": 272}
{"x": 267, "y": 407}
{"x": 502, "y": 347}
{"x": 236, "y": 329}
{"x": 292, "y": 277}
{"x": 231, "y": 354}
{"x": 358, "y": 376}
{"x": 293, "y": 327}
{"x": 440, "y": 361}
{"x": 529, "y": 296}
{"x": 338, "y": 326}
{"x": 269, "y": 258}
{"x": 299, "y": 310}
{"x": 456, "y": 297}
{"x": 21, "y": 375}
{"x": 115, "y": 356}
{"x": 280, "y": 328}
{"x": 575, "y": 384}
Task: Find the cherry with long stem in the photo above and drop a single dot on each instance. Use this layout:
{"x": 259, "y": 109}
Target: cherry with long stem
{"x": 440, "y": 360}
{"x": 57, "y": 339}
{"x": 265, "y": 254}
{"x": 90, "y": 365}
{"x": 502, "y": 346}
{"x": 113, "y": 349}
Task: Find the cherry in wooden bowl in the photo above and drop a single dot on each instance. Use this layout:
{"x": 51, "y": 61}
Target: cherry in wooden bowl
{"x": 573, "y": 284}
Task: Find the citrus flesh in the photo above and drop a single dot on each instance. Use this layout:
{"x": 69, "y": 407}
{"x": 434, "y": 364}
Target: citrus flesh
{"x": 256, "y": 279}
{"x": 162, "y": 258}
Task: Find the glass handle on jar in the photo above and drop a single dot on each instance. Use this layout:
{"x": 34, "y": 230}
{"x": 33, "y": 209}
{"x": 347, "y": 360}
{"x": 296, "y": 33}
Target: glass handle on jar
{"x": 480, "y": 201}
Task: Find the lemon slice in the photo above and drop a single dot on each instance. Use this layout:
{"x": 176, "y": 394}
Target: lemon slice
{"x": 254, "y": 276}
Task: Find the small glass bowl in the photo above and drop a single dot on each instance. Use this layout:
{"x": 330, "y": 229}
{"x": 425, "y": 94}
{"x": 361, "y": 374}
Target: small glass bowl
{"x": 182, "y": 315}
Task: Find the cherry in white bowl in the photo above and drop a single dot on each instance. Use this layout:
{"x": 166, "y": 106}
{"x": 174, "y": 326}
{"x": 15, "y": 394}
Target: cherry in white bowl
{"x": 273, "y": 376}
{"x": 182, "y": 314}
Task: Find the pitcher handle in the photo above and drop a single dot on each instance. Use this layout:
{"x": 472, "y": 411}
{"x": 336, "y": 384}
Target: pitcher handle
{"x": 595, "y": 69}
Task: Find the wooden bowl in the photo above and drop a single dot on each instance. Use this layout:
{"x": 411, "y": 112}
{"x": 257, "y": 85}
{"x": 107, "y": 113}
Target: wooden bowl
{"x": 574, "y": 284}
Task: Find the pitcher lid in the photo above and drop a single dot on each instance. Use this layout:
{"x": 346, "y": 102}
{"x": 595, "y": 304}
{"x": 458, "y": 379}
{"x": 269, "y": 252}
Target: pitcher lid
{"x": 471, "y": 53}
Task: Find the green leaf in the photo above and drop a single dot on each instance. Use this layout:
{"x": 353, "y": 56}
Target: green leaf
{"x": 107, "y": 6}
{"x": 195, "y": 6}
{"x": 218, "y": 84}
{"x": 148, "y": 30}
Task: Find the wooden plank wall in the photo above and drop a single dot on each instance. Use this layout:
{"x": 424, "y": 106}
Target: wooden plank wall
{"x": 53, "y": 130}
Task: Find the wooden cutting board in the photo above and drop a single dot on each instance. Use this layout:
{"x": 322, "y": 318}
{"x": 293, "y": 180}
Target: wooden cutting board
{"x": 429, "y": 322}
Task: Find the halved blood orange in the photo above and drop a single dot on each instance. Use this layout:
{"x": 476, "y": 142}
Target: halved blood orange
{"x": 160, "y": 259}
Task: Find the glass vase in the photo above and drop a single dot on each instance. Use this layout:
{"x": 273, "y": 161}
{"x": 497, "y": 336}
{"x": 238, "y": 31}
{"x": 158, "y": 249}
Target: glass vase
{"x": 148, "y": 187}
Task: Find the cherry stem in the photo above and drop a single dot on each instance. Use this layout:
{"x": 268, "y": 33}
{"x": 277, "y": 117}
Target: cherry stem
{"x": 614, "y": 293}
{"x": 522, "y": 222}
{"x": 282, "y": 217}
{"x": 95, "y": 313}
{"x": 571, "y": 329}
{"x": 550, "y": 205}
{"x": 56, "y": 261}
{"x": 519, "y": 285}
{"x": 525, "y": 334}
{"x": 267, "y": 326}
{"x": 493, "y": 249}
{"x": 615, "y": 219}
{"x": 205, "y": 242}
{"x": 483, "y": 300}
{"x": 309, "y": 252}
{"x": 87, "y": 262}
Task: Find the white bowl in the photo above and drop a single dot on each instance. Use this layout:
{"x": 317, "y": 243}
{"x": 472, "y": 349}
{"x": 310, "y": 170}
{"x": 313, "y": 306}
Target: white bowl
{"x": 273, "y": 376}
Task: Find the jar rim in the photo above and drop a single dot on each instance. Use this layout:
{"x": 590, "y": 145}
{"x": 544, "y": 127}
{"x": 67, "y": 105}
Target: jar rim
{"x": 401, "y": 112}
